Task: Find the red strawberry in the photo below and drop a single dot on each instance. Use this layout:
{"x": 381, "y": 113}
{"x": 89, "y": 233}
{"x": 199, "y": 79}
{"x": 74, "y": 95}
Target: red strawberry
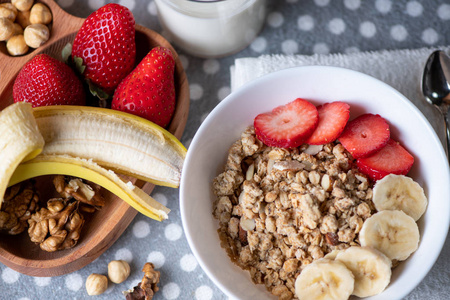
{"x": 149, "y": 91}
{"x": 332, "y": 120}
{"x": 106, "y": 44}
{"x": 391, "y": 159}
{"x": 365, "y": 135}
{"x": 287, "y": 126}
{"x": 46, "y": 81}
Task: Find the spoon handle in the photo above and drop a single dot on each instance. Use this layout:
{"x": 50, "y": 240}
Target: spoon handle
{"x": 447, "y": 129}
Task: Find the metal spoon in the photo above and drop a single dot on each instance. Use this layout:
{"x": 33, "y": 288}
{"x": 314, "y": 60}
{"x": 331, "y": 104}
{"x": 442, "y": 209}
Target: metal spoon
{"x": 436, "y": 87}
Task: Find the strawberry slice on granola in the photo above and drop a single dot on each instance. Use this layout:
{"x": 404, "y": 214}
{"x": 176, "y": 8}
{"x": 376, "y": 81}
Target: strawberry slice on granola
{"x": 333, "y": 117}
{"x": 287, "y": 126}
{"x": 391, "y": 159}
{"x": 365, "y": 135}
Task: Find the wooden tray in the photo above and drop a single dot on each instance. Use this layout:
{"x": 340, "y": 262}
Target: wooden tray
{"x": 105, "y": 226}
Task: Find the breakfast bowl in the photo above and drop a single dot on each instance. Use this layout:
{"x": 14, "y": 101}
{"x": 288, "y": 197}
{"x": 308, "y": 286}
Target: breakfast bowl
{"x": 105, "y": 226}
{"x": 208, "y": 151}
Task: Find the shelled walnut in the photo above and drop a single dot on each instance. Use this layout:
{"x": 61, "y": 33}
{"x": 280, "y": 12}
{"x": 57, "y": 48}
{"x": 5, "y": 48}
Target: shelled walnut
{"x": 19, "y": 203}
{"x": 56, "y": 227}
{"x": 147, "y": 287}
{"x": 75, "y": 188}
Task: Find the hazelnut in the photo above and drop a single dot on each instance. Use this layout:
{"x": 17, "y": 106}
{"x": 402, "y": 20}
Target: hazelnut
{"x": 40, "y": 14}
{"x": 8, "y": 13}
{"x": 9, "y": 6}
{"x": 6, "y": 29}
{"x": 16, "y": 45}
{"x": 23, "y": 18}
{"x": 118, "y": 271}
{"x": 22, "y": 5}
{"x": 36, "y": 35}
{"x": 17, "y": 29}
{"x": 96, "y": 284}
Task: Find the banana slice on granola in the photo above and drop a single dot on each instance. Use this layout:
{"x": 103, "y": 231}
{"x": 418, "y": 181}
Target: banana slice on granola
{"x": 324, "y": 279}
{"x": 392, "y": 232}
{"x": 371, "y": 268}
{"x": 399, "y": 192}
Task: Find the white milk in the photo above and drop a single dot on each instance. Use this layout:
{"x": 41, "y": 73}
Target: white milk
{"x": 211, "y": 29}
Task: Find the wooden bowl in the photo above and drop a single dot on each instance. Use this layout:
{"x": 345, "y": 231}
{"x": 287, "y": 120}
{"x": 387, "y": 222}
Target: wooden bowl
{"x": 105, "y": 226}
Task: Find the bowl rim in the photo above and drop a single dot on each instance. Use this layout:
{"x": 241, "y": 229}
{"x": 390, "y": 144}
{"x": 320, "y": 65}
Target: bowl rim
{"x": 432, "y": 257}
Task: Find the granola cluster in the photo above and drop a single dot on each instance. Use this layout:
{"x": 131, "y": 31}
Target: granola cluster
{"x": 281, "y": 209}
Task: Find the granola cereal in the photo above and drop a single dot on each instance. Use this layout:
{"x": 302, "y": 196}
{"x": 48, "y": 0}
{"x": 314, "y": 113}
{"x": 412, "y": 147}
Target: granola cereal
{"x": 281, "y": 209}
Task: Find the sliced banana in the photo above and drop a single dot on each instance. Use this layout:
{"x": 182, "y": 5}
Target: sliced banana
{"x": 392, "y": 232}
{"x": 20, "y": 140}
{"x": 332, "y": 255}
{"x": 324, "y": 279}
{"x": 399, "y": 192}
{"x": 371, "y": 268}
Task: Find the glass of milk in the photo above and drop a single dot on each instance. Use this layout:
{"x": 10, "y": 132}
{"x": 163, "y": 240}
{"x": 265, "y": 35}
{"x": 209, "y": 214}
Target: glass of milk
{"x": 208, "y": 28}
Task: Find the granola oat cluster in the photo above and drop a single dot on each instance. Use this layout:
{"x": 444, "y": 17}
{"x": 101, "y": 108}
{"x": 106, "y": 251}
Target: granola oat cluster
{"x": 281, "y": 209}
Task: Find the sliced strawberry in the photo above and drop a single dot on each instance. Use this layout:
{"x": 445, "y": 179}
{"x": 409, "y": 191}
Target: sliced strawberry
{"x": 365, "y": 135}
{"x": 287, "y": 126}
{"x": 391, "y": 159}
{"x": 332, "y": 120}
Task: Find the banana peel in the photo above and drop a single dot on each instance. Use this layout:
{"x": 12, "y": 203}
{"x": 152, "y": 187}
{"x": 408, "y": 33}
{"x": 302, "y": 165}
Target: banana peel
{"x": 90, "y": 143}
{"x": 122, "y": 142}
{"x": 89, "y": 170}
{"x": 20, "y": 140}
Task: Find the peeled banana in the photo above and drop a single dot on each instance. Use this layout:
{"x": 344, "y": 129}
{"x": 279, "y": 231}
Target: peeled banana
{"x": 324, "y": 279}
{"x": 86, "y": 169}
{"x": 115, "y": 140}
{"x": 371, "y": 268}
{"x": 398, "y": 192}
{"x": 20, "y": 140}
{"x": 392, "y": 232}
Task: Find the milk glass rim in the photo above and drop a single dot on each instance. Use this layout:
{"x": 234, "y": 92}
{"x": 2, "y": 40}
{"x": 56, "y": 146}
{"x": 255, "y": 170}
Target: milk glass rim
{"x": 232, "y": 13}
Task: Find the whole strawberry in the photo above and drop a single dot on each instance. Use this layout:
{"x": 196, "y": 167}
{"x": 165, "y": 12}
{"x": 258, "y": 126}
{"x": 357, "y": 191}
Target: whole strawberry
{"x": 46, "y": 81}
{"x": 149, "y": 91}
{"x": 106, "y": 45}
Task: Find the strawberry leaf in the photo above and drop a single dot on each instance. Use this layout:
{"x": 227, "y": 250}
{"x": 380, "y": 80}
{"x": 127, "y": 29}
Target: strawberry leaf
{"x": 79, "y": 64}
{"x": 99, "y": 93}
{"x": 66, "y": 52}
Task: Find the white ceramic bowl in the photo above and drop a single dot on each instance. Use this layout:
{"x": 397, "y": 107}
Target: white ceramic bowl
{"x": 208, "y": 151}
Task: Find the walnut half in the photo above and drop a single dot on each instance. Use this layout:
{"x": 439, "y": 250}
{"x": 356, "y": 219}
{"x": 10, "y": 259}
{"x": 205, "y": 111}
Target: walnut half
{"x": 147, "y": 287}
{"x": 20, "y": 202}
{"x": 56, "y": 227}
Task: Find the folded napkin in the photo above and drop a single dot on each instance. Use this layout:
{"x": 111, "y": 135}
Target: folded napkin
{"x": 401, "y": 69}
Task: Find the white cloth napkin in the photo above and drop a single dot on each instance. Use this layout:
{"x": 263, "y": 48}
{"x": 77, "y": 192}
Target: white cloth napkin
{"x": 401, "y": 69}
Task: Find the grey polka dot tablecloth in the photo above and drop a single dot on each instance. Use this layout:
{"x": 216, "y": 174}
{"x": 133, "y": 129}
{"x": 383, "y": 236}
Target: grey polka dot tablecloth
{"x": 291, "y": 27}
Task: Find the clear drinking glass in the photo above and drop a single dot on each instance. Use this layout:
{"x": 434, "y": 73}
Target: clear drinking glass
{"x": 211, "y": 28}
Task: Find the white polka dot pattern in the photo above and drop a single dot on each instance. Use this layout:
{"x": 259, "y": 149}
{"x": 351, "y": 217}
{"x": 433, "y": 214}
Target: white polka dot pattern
{"x": 188, "y": 263}
{"x": 291, "y": 27}
{"x": 171, "y": 291}
{"x": 173, "y": 232}
{"x": 74, "y": 282}
{"x": 157, "y": 258}
{"x": 141, "y": 229}
{"x": 124, "y": 254}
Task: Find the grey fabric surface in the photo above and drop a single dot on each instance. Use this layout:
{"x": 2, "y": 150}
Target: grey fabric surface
{"x": 292, "y": 27}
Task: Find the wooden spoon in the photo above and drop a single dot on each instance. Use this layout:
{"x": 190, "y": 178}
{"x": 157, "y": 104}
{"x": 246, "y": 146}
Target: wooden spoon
{"x": 104, "y": 227}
